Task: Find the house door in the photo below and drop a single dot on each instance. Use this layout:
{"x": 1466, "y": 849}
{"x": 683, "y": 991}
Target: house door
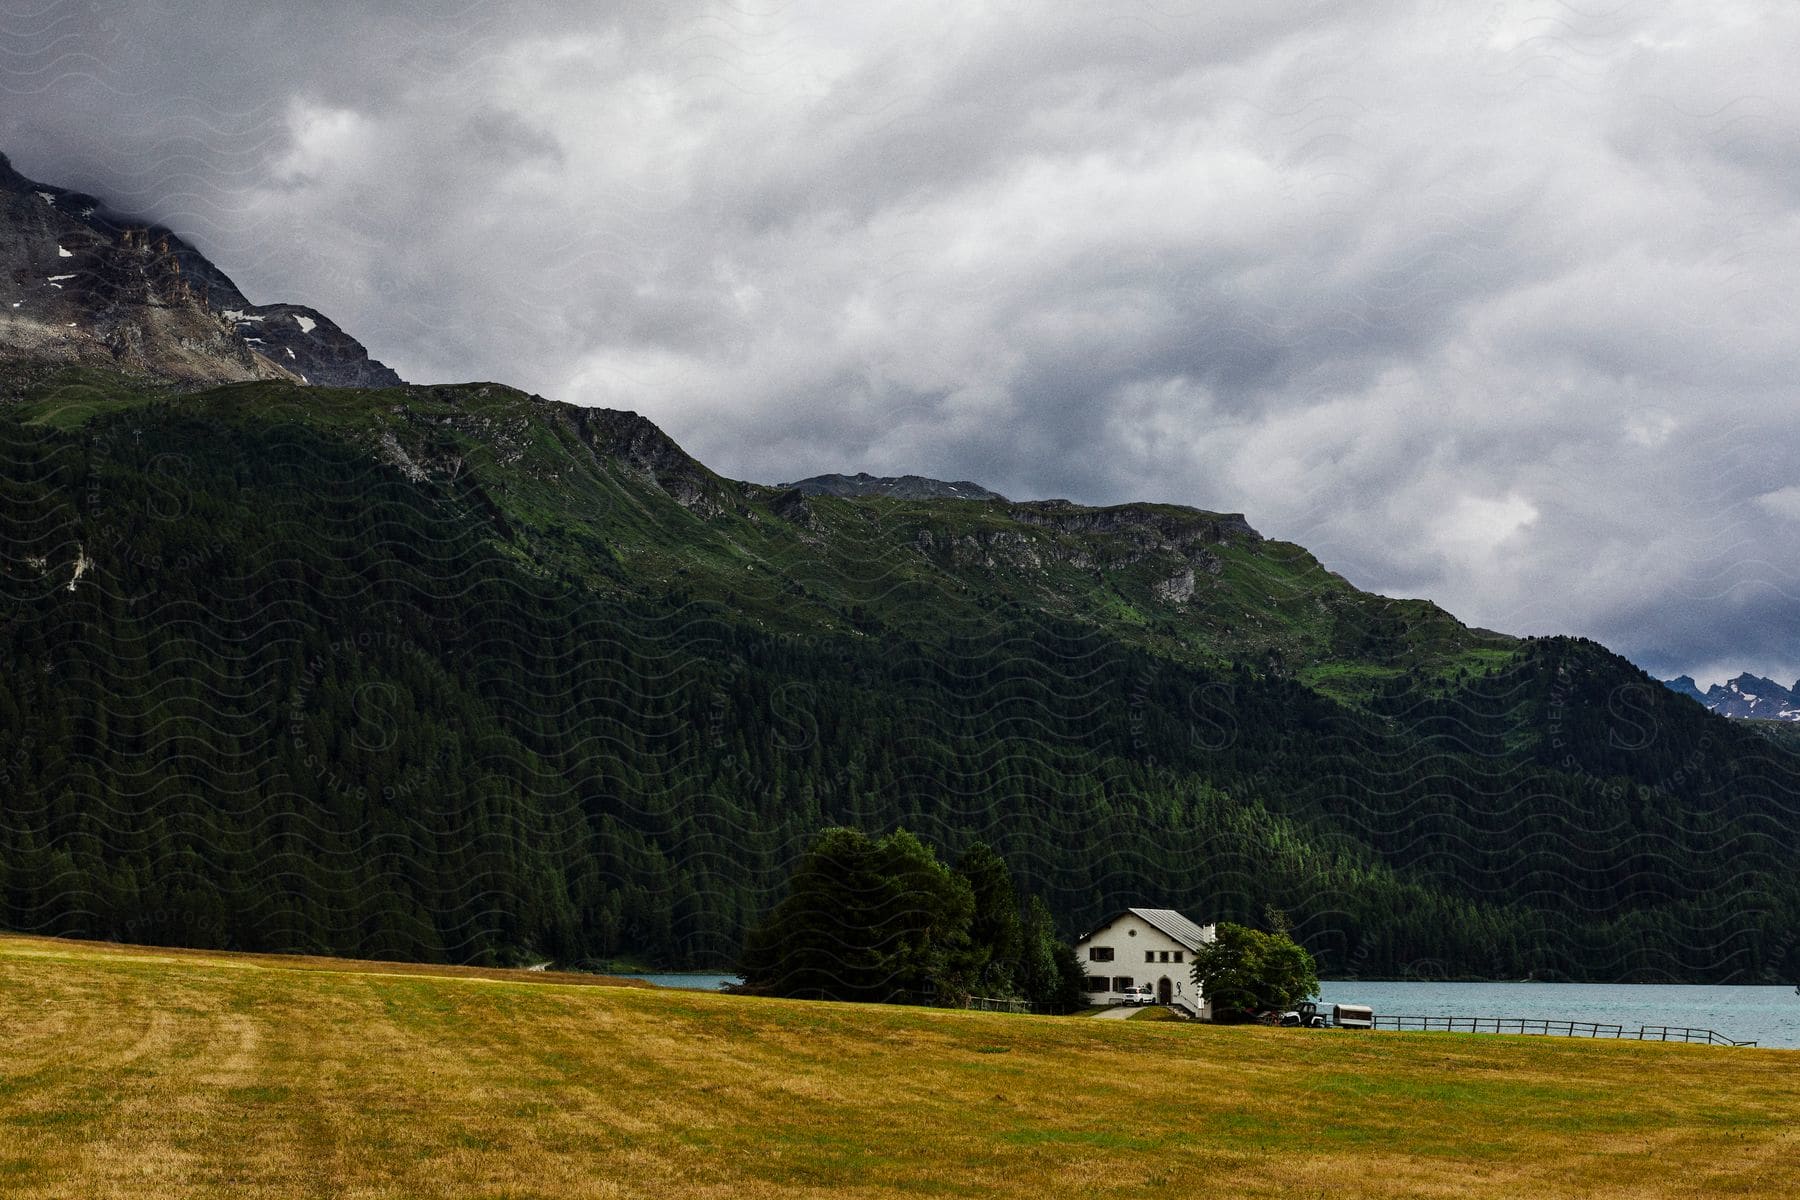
{"x": 1162, "y": 990}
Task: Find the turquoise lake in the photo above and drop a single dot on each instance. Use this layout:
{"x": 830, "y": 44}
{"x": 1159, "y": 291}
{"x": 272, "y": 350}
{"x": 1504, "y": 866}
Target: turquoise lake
{"x": 697, "y": 982}
{"x": 1768, "y": 1016}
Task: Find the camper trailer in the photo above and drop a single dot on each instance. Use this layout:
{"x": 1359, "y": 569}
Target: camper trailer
{"x": 1352, "y": 1016}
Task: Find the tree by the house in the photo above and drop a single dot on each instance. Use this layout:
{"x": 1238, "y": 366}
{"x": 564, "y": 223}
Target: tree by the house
{"x": 1049, "y": 974}
{"x": 881, "y": 919}
{"x": 994, "y": 929}
{"x": 866, "y": 919}
{"x": 1247, "y": 971}
{"x": 1024, "y": 957}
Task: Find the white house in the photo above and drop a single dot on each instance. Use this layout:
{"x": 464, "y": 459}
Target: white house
{"x": 1145, "y": 947}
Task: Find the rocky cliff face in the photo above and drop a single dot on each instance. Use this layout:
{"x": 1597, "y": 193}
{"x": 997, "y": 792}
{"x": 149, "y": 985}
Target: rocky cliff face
{"x": 901, "y": 487}
{"x": 637, "y": 444}
{"x": 81, "y": 284}
{"x": 310, "y": 344}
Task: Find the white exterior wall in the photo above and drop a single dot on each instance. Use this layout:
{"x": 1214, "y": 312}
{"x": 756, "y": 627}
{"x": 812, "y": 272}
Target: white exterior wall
{"x": 1130, "y": 938}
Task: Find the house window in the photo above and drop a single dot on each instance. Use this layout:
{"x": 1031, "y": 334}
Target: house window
{"x": 1165, "y": 956}
{"x": 1100, "y": 953}
{"x": 1098, "y": 983}
{"x": 1149, "y": 956}
{"x": 1121, "y": 982}
{"x": 1178, "y": 956}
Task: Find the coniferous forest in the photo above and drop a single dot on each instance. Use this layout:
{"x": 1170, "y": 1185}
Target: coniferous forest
{"x": 460, "y": 674}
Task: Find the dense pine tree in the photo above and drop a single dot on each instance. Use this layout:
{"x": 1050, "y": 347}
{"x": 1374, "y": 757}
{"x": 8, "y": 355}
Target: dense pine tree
{"x": 298, "y": 699}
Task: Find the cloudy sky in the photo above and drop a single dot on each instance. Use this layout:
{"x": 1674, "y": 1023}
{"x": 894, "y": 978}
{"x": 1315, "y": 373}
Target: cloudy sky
{"x": 1485, "y": 302}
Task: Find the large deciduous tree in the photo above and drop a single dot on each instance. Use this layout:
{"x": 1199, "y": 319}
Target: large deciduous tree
{"x": 881, "y": 919}
{"x": 869, "y": 920}
{"x": 1246, "y": 971}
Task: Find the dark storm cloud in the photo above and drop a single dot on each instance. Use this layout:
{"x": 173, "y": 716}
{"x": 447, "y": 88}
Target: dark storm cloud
{"x": 1488, "y": 303}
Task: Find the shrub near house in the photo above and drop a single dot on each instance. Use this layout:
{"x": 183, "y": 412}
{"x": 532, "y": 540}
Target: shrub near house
{"x": 1245, "y": 971}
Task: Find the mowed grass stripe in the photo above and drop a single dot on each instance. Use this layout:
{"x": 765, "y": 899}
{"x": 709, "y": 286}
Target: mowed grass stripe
{"x": 137, "y": 1073}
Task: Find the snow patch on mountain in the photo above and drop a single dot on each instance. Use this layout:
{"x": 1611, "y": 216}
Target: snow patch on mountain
{"x": 1747, "y": 696}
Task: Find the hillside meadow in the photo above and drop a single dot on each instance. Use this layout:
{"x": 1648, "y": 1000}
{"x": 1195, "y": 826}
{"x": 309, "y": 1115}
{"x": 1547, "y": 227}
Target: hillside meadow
{"x": 128, "y": 1072}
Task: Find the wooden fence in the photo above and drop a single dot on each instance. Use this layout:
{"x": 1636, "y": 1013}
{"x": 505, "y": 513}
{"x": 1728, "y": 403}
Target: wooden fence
{"x": 1681, "y": 1033}
{"x": 1541, "y": 1027}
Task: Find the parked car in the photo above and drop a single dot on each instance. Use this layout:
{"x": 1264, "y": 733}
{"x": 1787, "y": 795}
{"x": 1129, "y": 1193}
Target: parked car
{"x": 1135, "y": 995}
{"x": 1306, "y": 1015}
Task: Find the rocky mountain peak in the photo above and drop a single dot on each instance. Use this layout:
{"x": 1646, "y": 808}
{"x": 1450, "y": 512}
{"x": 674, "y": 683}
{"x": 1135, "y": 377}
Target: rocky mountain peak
{"x": 641, "y": 446}
{"x": 80, "y": 283}
{"x": 894, "y": 487}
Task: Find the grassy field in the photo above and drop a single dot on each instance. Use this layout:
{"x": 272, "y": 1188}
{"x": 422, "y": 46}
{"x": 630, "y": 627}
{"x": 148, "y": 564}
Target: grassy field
{"x": 148, "y": 1073}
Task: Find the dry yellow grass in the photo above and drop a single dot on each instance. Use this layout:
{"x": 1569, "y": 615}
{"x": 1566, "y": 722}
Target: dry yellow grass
{"x": 142, "y": 1073}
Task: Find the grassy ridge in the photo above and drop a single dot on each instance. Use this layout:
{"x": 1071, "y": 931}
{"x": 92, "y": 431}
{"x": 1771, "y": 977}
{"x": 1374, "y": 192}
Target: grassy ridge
{"x": 590, "y": 493}
{"x": 150, "y": 1073}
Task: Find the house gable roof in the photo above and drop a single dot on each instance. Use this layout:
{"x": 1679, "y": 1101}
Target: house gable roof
{"x": 1166, "y": 920}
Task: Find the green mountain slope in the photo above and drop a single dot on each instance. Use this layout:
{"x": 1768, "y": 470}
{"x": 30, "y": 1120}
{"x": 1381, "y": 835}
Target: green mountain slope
{"x": 461, "y": 673}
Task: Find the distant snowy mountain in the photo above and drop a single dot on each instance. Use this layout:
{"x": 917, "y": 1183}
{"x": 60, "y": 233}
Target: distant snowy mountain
{"x": 1746, "y": 696}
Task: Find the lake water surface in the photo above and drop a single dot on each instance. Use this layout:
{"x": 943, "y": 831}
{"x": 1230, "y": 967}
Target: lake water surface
{"x": 1768, "y": 1016}
{"x": 698, "y": 982}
